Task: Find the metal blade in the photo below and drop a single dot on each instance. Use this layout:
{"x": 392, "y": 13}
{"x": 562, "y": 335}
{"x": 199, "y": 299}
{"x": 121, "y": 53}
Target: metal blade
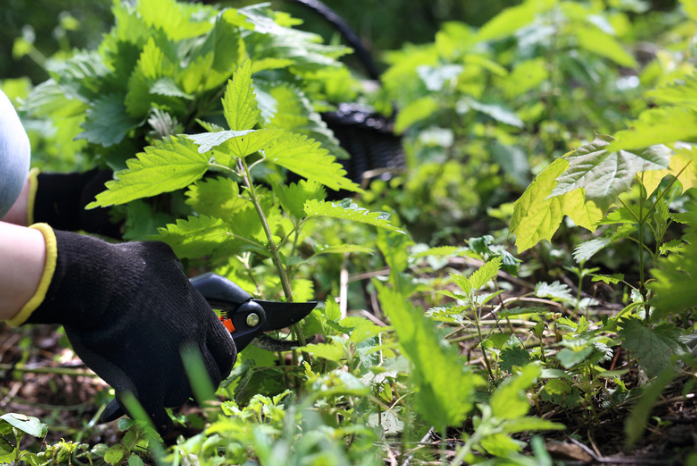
{"x": 281, "y": 315}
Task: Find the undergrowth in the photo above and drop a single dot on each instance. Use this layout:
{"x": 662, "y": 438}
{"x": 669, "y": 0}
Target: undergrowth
{"x": 471, "y": 353}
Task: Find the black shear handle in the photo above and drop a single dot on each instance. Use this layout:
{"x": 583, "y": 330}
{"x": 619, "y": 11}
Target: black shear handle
{"x": 244, "y": 318}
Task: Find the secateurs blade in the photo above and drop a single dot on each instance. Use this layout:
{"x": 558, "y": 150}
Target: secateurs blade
{"x": 247, "y": 318}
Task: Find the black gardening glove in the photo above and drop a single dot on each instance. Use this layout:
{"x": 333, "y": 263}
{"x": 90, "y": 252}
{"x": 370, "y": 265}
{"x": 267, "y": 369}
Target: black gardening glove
{"x": 128, "y": 309}
{"x": 61, "y": 198}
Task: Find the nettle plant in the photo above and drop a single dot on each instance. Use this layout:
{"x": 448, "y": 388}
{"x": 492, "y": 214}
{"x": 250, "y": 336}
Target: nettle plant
{"x": 162, "y": 70}
{"x": 235, "y": 216}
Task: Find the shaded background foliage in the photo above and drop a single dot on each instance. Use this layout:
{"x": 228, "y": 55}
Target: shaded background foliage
{"x": 382, "y": 24}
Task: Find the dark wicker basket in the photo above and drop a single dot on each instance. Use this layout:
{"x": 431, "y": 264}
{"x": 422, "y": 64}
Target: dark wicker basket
{"x": 366, "y": 135}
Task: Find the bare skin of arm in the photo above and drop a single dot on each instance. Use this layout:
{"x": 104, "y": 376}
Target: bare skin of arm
{"x": 22, "y": 259}
{"x": 18, "y": 212}
{"x": 22, "y": 255}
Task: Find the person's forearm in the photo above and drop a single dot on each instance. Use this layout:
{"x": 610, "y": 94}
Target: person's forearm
{"x": 18, "y": 212}
{"x": 22, "y": 261}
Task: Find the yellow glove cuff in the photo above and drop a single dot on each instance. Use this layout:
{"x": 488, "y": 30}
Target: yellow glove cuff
{"x": 49, "y": 269}
{"x": 31, "y": 198}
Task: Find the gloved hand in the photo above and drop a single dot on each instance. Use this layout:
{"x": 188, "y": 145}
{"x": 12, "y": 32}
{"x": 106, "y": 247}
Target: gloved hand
{"x": 128, "y": 309}
{"x": 59, "y": 199}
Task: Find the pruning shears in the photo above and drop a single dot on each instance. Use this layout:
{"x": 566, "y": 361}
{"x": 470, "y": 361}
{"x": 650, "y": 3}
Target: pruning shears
{"x": 243, "y": 316}
{"x": 247, "y": 318}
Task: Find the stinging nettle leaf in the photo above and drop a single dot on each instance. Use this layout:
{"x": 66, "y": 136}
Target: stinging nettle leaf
{"x": 350, "y": 211}
{"x": 219, "y": 198}
{"x": 207, "y": 141}
{"x": 107, "y": 122}
{"x": 170, "y": 164}
{"x": 239, "y": 103}
{"x": 195, "y": 237}
{"x": 305, "y": 157}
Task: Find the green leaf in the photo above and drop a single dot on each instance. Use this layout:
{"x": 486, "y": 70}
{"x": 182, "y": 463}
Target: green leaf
{"x": 143, "y": 221}
{"x": 305, "y": 157}
{"x": 514, "y": 357}
{"x": 528, "y": 423}
{"x": 167, "y": 86}
{"x": 239, "y": 102}
{"x": 604, "y": 175}
{"x": 511, "y": 19}
{"x": 217, "y": 197}
{"x": 613, "y": 279}
{"x": 497, "y": 111}
{"x": 243, "y": 146}
{"x": 294, "y": 196}
{"x": 585, "y": 251}
{"x": 536, "y": 216}
{"x": 195, "y": 237}
{"x": 444, "y": 392}
{"x": 207, "y": 141}
{"x": 152, "y": 65}
{"x": 594, "y": 40}
{"x": 554, "y": 290}
{"x": 415, "y": 112}
{"x": 134, "y": 460}
{"x": 27, "y": 424}
{"x": 178, "y": 21}
{"x": 653, "y": 348}
{"x": 509, "y": 400}
{"x": 170, "y": 164}
{"x": 682, "y": 92}
{"x": 485, "y": 273}
{"x": 394, "y": 247}
{"x": 658, "y": 126}
{"x": 335, "y": 350}
{"x": 638, "y": 419}
{"x": 346, "y": 210}
{"x": 440, "y": 251}
{"x": 569, "y": 357}
{"x": 342, "y": 249}
{"x": 114, "y": 454}
{"x": 107, "y": 121}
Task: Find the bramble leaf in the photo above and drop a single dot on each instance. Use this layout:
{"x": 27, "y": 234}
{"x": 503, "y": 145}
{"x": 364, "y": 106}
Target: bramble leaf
{"x": 239, "y": 103}
{"x": 603, "y": 174}
{"x": 305, "y": 157}
{"x": 170, "y": 164}
{"x": 652, "y": 348}
{"x": 536, "y": 216}
{"x": 348, "y": 211}
{"x": 681, "y": 165}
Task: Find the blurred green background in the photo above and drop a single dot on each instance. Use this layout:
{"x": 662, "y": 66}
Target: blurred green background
{"x": 56, "y": 27}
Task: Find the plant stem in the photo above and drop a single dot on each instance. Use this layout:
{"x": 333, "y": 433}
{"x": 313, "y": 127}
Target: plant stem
{"x": 275, "y": 256}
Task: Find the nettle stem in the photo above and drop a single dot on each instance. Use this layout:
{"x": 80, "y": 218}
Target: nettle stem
{"x": 273, "y": 248}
